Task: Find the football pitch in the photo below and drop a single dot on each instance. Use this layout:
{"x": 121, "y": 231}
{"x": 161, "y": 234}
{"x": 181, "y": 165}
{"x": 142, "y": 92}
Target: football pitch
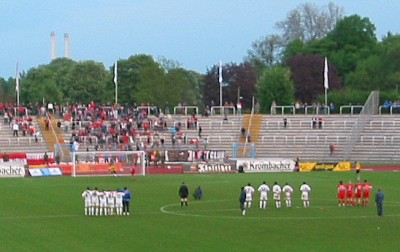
{"x": 47, "y": 214}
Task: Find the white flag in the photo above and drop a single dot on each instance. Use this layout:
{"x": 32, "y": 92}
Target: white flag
{"x": 326, "y": 81}
{"x": 116, "y": 73}
{"x": 17, "y": 79}
{"x": 220, "y": 72}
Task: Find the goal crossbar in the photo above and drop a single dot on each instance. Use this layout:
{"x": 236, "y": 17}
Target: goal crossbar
{"x": 93, "y": 163}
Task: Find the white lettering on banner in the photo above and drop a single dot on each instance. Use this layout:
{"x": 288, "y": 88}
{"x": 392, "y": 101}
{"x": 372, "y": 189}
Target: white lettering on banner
{"x": 208, "y": 155}
{"x": 266, "y": 165}
{"x": 216, "y": 155}
{"x": 214, "y": 168}
{"x": 12, "y": 171}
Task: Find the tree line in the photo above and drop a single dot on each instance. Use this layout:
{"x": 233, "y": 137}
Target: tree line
{"x": 285, "y": 68}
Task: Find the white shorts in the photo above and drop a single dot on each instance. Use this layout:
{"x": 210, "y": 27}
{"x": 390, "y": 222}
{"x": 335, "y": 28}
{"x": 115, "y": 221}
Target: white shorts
{"x": 88, "y": 203}
{"x": 277, "y": 196}
{"x": 304, "y": 196}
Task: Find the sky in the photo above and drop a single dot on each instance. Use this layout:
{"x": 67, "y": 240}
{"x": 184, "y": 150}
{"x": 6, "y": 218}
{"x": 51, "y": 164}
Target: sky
{"x": 197, "y": 34}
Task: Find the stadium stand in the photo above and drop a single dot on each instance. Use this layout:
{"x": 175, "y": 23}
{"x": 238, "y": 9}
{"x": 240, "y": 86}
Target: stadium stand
{"x": 28, "y": 143}
{"x": 276, "y": 135}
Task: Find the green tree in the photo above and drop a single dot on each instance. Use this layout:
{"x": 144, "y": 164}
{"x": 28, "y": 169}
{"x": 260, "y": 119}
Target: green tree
{"x": 39, "y": 85}
{"x": 85, "y": 82}
{"x": 354, "y": 38}
{"x": 276, "y": 85}
{"x": 134, "y": 77}
{"x": 391, "y": 61}
{"x": 7, "y": 90}
{"x": 380, "y": 69}
{"x": 265, "y": 52}
{"x": 296, "y": 47}
{"x": 182, "y": 86}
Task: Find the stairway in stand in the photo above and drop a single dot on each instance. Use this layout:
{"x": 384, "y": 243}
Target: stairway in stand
{"x": 254, "y": 133}
{"x": 54, "y": 138}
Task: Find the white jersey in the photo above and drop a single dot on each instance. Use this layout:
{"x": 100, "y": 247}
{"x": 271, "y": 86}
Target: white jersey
{"x": 102, "y": 199}
{"x": 118, "y": 198}
{"x": 288, "y": 190}
{"x": 87, "y": 195}
{"x": 277, "y": 190}
{"x": 95, "y": 198}
{"x": 249, "y": 190}
{"x": 263, "y": 189}
{"x": 110, "y": 198}
{"x": 305, "y": 191}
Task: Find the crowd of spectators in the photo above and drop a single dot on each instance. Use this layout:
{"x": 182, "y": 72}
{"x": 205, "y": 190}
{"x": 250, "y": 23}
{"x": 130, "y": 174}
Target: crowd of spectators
{"x": 106, "y": 127}
{"x": 390, "y": 104}
{"x": 18, "y": 119}
{"x": 141, "y": 127}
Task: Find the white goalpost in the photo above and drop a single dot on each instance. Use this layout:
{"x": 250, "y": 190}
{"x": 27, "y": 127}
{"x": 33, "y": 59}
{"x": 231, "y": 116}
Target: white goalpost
{"x": 100, "y": 163}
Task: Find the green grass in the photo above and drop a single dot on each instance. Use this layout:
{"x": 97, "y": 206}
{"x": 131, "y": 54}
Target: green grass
{"x": 46, "y": 214}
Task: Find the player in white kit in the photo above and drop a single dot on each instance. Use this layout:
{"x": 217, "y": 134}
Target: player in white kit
{"x": 288, "y": 190}
{"x": 249, "y": 190}
{"x": 102, "y": 202}
{"x": 118, "y": 201}
{"x": 110, "y": 202}
{"x": 263, "y": 189}
{"x": 86, "y": 195}
{"x": 277, "y": 190}
{"x": 94, "y": 209}
{"x": 305, "y": 194}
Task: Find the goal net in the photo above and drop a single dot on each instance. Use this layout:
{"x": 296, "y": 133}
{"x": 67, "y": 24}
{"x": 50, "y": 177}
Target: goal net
{"x": 108, "y": 163}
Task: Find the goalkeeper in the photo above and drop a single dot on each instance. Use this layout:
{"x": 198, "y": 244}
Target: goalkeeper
{"x": 113, "y": 170}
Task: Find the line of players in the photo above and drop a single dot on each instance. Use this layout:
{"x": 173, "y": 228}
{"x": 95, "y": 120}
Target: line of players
{"x": 277, "y": 191}
{"x": 106, "y": 202}
{"x": 354, "y": 194}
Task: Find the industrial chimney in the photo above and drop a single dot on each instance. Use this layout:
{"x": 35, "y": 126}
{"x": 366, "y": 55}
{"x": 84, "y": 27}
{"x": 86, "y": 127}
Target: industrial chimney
{"x": 66, "y": 45}
{"x": 53, "y": 46}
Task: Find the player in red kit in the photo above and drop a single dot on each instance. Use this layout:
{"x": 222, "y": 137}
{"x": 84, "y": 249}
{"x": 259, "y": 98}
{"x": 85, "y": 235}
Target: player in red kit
{"x": 342, "y": 194}
{"x": 350, "y": 194}
{"x": 367, "y": 188}
{"x": 358, "y": 193}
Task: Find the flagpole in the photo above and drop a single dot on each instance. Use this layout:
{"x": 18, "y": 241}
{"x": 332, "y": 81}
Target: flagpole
{"x": 326, "y": 81}
{"x": 17, "y": 83}
{"x": 220, "y": 83}
{"x": 116, "y": 81}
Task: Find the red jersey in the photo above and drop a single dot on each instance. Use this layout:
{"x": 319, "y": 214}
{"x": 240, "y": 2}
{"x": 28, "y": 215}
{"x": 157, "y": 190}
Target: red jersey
{"x": 359, "y": 190}
{"x": 350, "y": 190}
{"x": 367, "y": 188}
{"x": 341, "y": 191}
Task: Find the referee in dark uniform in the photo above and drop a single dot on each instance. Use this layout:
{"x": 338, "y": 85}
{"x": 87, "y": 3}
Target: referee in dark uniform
{"x": 183, "y": 193}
